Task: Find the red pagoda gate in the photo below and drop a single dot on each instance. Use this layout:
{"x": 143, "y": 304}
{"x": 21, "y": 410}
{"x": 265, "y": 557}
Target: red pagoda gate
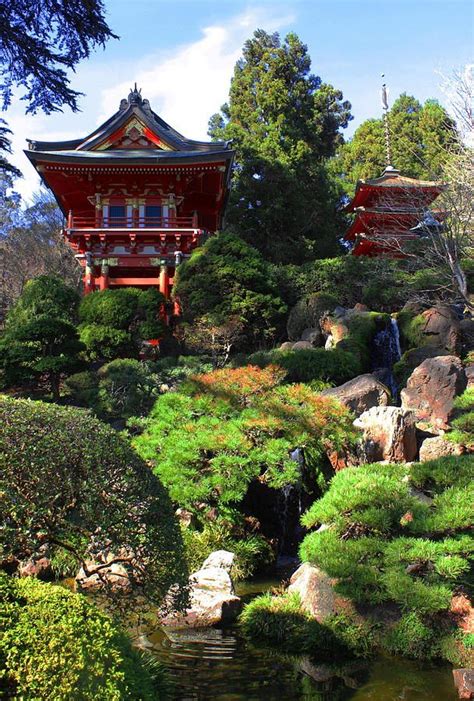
{"x": 138, "y": 197}
{"x": 388, "y": 211}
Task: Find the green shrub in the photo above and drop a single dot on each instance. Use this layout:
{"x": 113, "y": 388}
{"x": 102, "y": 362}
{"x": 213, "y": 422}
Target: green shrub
{"x": 252, "y": 552}
{"x": 83, "y": 388}
{"x": 462, "y": 425}
{"x": 77, "y": 485}
{"x": 126, "y": 387}
{"x": 410, "y": 637}
{"x": 54, "y": 644}
{"x": 228, "y": 279}
{"x": 222, "y": 430}
{"x": 114, "y": 323}
{"x": 383, "y": 544}
{"x": 335, "y": 366}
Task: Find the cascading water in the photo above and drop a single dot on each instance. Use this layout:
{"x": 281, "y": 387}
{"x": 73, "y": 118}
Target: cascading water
{"x": 290, "y": 507}
{"x": 386, "y": 351}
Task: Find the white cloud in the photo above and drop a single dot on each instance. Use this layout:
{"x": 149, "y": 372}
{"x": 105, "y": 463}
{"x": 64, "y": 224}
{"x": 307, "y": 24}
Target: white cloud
{"x": 185, "y": 87}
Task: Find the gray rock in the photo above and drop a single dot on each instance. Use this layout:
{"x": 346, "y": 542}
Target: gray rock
{"x": 360, "y": 394}
{"x": 314, "y": 336}
{"x": 316, "y": 591}
{"x": 438, "y": 447}
{"x": 212, "y": 597}
{"x": 302, "y": 345}
{"x": 286, "y": 346}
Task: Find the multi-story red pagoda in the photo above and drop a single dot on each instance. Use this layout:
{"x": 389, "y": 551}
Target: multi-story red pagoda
{"x": 137, "y": 196}
{"x": 388, "y": 211}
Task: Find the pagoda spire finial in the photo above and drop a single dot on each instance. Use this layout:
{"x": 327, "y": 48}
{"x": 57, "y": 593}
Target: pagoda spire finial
{"x": 388, "y": 145}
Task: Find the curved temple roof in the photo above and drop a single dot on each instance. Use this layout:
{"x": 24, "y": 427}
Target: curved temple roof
{"x": 134, "y": 109}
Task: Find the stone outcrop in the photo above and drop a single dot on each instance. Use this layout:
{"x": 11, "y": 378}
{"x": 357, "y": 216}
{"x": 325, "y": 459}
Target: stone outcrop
{"x": 360, "y": 394}
{"x": 39, "y": 567}
{"x": 302, "y": 345}
{"x": 432, "y": 388}
{"x": 464, "y": 682}
{"x": 113, "y": 575}
{"x": 441, "y": 327}
{"x": 438, "y": 447}
{"x": 469, "y": 371}
{"x": 313, "y": 335}
{"x": 316, "y": 591}
{"x": 212, "y": 597}
{"x": 286, "y": 346}
{"x": 466, "y": 327}
{"x": 389, "y": 434}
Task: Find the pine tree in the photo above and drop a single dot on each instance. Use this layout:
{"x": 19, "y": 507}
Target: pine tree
{"x": 284, "y": 123}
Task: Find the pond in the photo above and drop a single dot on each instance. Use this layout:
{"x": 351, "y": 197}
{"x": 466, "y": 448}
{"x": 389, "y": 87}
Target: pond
{"x": 214, "y": 664}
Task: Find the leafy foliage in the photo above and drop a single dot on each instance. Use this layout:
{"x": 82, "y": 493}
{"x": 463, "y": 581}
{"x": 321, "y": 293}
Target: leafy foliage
{"x": 77, "y": 485}
{"x": 283, "y": 122}
{"x": 385, "y": 545}
{"x": 56, "y": 644}
{"x": 114, "y": 323}
{"x": 39, "y": 43}
{"x": 307, "y": 365}
{"x": 228, "y": 279}
{"x": 421, "y": 137}
{"x": 222, "y": 430}
{"x": 39, "y": 340}
{"x": 463, "y": 422}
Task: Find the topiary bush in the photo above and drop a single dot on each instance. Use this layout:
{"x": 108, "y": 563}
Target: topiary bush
{"x": 114, "y": 323}
{"x": 55, "y": 644}
{"x": 70, "y": 482}
{"x": 386, "y": 546}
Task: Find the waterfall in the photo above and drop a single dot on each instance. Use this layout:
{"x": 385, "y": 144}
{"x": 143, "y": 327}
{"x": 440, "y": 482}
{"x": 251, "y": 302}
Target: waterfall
{"x": 386, "y": 351}
{"x": 290, "y": 506}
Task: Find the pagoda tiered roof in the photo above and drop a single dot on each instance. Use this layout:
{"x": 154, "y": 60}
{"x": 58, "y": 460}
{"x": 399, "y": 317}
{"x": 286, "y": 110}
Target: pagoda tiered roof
{"x": 386, "y": 209}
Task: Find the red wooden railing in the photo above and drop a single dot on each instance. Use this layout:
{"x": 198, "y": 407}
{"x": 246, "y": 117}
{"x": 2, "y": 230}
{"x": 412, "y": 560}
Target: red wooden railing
{"x": 79, "y": 221}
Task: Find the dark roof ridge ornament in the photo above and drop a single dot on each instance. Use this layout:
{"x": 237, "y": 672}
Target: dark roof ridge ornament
{"x": 135, "y": 98}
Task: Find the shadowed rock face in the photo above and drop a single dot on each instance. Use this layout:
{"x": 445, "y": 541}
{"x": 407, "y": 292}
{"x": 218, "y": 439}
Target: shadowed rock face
{"x": 316, "y": 591}
{"x": 389, "y": 434}
{"x": 464, "y": 682}
{"x": 438, "y": 447}
{"x": 441, "y": 327}
{"x": 361, "y": 393}
{"x": 432, "y": 388}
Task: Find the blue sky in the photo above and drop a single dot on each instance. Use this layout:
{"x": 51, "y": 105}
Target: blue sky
{"x": 182, "y": 54}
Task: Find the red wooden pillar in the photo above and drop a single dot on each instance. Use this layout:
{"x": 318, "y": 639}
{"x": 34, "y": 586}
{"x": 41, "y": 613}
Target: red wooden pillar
{"x": 88, "y": 275}
{"x": 164, "y": 281}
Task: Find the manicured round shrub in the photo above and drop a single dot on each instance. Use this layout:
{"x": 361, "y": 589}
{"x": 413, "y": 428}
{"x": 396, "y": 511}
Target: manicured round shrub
{"x": 113, "y": 323}
{"x": 55, "y": 644}
{"x": 69, "y": 481}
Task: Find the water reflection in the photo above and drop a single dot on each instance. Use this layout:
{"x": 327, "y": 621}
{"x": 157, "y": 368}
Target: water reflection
{"x": 218, "y": 665}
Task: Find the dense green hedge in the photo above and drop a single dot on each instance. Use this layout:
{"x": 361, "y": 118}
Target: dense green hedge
{"x": 72, "y": 483}
{"x": 334, "y": 366}
{"x": 55, "y": 644}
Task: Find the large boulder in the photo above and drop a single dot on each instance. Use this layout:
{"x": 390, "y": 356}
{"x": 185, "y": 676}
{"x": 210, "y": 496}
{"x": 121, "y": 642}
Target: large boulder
{"x": 313, "y": 335}
{"x": 302, "y": 345}
{"x": 389, "y": 434}
{"x": 316, "y": 591}
{"x": 39, "y": 567}
{"x": 361, "y": 393}
{"x": 464, "y": 683}
{"x": 432, "y": 388}
{"x": 441, "y": 327}
{"x": 212, "y": 597}
{"x": 438, "y": 447}
{"x": 307, "y": 312}
{"x": 410, "y": 360}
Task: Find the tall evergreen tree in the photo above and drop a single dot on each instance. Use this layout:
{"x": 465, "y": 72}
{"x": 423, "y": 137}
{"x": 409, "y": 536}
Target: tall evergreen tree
{"x": 284, "y": 123}
{"x": 421, "y": 138}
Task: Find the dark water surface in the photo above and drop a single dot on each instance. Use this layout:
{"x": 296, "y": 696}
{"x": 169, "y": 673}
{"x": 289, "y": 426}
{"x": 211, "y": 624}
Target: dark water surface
{"x": 213, "y": 664}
